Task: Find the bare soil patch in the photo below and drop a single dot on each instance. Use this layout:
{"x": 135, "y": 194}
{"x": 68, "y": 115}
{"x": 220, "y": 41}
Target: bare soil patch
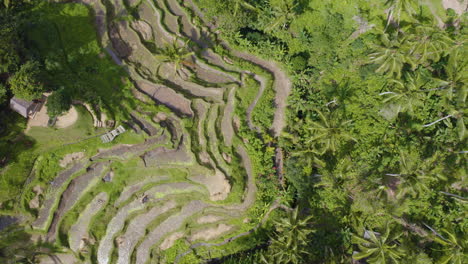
{"x": 208, "y": 219}
{"x": 144, "y": 29}
{"x": 210, "y": 233}
{"x": 67, "y": 119}
{"x": 217, "y": 184}
{"x": 40, "y": 119}
{"x": 71, "y": 158}
{"x": 164, "y": 156}
{"x": 169, "y": 241}
{"x": 144, "y": 124}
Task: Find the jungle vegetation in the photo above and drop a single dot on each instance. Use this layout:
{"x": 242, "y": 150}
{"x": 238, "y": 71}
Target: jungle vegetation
{"x": 376, "y": 141}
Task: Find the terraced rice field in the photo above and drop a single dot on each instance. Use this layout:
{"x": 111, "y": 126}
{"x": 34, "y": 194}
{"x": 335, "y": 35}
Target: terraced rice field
{"x": 151, "y": 201}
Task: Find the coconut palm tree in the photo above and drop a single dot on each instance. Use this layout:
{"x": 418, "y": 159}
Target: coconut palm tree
{"x": 429, "y": 43}
{"x": 455, "y": 246}
{"x": 176, "y": 54}
{"x": 456, "y": 71}
{"x": 291, "y": 237}
{"x": 304, "y": 153}
{"x": 416, "y": 174}
{"x": 238, "y": 4}
{"x": 378, "y": 248}
{"x": 283, "y": 12}
{"x": 406, "y": 94}
{"x": 392, "y": 56}
{"x": 413, "y": 177}
{"x": 329, "y": 132}
{"x": 400, "y": 7}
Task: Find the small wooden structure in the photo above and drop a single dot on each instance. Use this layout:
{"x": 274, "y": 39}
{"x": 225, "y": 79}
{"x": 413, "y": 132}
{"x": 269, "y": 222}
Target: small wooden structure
{"x": 23, "y": 107}
{"x": 109, "y": 136}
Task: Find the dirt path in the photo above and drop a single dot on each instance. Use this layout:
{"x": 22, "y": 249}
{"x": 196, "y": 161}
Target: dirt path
{"x": 282, "y": 87}
{"x": 262, "y": 81}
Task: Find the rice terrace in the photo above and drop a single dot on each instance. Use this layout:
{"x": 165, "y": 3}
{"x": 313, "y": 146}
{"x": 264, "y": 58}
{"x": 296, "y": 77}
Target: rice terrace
{"x": 160, "y": 131}
{"x": 184, "y": 175}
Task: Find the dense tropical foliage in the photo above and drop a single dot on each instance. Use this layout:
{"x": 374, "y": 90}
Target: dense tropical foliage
{"x": 376, "y": 143}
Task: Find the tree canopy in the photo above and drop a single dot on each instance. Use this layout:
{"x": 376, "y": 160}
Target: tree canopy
{"x": 27, "y": 82}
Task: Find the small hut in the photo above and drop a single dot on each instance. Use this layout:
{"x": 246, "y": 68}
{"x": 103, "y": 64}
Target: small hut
{"x": 23, "y": 107}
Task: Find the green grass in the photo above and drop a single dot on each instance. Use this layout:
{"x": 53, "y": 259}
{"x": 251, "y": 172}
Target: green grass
{"x": 49, "y": 137}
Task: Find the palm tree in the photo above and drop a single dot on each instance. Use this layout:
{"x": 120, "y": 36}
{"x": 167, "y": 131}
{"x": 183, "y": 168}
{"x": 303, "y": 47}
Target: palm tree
{"x": 304, "y": 153}
{"x": 283, "y": 14}
{"x": 405, "y": 95}
{"x": 454, "y": 247}
{"x": 378, "y": 248}
{"x": 329, "y": 132}
{"x": 456, "y": 71}
{"x": 399, "y": 7}
{"x": 429, "y": 43}
{"x": 392, "y": 56}
{"x": 176, "y": 54}
{"x": 415, "y": 174}
{"x": 238, "y": 4}
{"x": 341, "y": 92}
{"x": 288, "y": 243}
